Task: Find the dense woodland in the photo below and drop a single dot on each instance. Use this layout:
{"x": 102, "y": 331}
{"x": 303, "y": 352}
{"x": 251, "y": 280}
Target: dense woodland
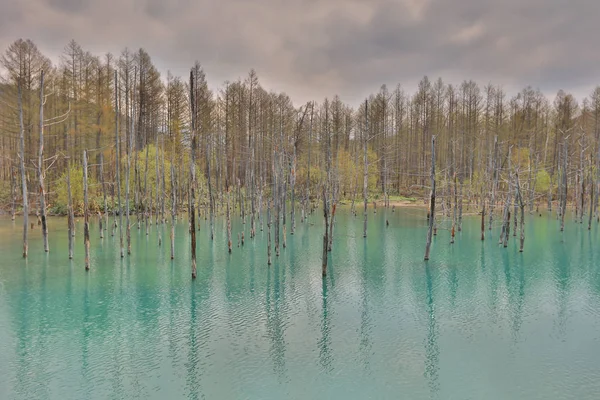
{"x": 108, "y": 135}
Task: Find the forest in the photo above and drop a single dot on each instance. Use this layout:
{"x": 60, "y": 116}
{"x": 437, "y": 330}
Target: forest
{"x": 106, "y": 136}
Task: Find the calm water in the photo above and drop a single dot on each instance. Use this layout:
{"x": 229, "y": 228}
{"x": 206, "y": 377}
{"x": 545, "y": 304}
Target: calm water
{"x": 477, "y": 321}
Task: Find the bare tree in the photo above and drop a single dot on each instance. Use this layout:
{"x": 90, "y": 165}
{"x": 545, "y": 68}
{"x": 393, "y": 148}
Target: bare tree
{"x": 23, "y": 174}
{"x": 40, "y": 166}
{"x": 431, "y": 200}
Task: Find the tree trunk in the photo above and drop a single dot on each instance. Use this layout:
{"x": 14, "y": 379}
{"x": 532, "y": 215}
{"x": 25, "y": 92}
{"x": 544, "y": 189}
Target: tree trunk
{"x": 71, "y": 217}
{"x": 13, "y": 191}
{"x": 563, "y": 206}
{"x": 86, "y": 222}
{"x": 41, "y": 166}
{"x": 432, "y": 200}
{"x": 293, "y": 188}
{"x": 228, "y": 223}
{"x": 325, "y": 234}
{"x": 366, "y": 168}
{"x": 483, "y": 221}
{"x": 173, "y": 207}
{"x": 118, "y": 160}
{"x": 210, "y": 193}
{"x": 592, "y": 200}
{"x": 193, "y": 176}
{"x": 522, "y": 207}
{"x": 494, "y": 181}
{"x": 147, "y": 210}
{"x": 157, "y": 206}
{"x": 129, "y": 146}
{"x": 269, "y": 232}
{"x": 102, "y": 217}
{"x": 23, "y": 174}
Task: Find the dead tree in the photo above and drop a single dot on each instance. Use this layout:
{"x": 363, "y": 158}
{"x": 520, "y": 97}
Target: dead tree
{"x": 522, "y": 207}
{"x": 454, "y": 196}
{"x": 494, "y": 181}
{"x": 13, "y": 191}
{"x": 128, "y": 148}
{"x": 173, "y": 207}
{"x": 164, "y": 189}
{"x": 307, "y": 195}
{"x": 86, "y": 216}
{"x": 23, "y": 174}
{"x": 326, "y": 232}
{"x": 157, "y": 216}
{"x": 40, "y": 167}
{"x": 483, "y": 221}
{"x": 147, "y": 210}
{"x": 193, "y": 176}
{"x": 563, "y": 202}
{"x": 431, "y": 201}
{"x": 210, "y": 192}
{"x": 118, "y": 161}
{"x": 102, "y": 217}
{"x": 592, "y": 193}
{"x": 268, "y": 232}
{"x": 366, "y": 167}
{"x": 70, "y": 212}
{"x": 228, "y": 223}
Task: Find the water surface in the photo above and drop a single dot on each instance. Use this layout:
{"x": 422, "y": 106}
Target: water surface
{"x": 476, "y": 321}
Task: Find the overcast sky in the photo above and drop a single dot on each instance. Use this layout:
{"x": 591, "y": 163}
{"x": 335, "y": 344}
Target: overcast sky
{"x": 316, "y": 48}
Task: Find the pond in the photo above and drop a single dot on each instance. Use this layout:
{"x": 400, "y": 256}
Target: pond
{"x": 476, "y": 321}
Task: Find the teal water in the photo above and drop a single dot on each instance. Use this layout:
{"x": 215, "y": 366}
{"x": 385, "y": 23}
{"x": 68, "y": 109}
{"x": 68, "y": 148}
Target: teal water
{"x": 476, "y": 322}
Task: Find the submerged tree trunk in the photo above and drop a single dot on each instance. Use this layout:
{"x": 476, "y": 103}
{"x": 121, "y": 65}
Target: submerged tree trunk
{"x": 522, "y": 207}
{"x": 228, "y": 223}
{"x": 494, "y": 181}
{"x": 86, "y": 222}
{"x": 157, "y": 206}
{"x": 23, "y": 174}
{"x": 483, "y": 221}
{"x": 173, "y": 208}
{"x": 40, "y": 167}
{"x": 431, "y": 201}
{"x": 366, "y": 168}
{"x": 118, "y": 158}
{"x": 592, "y": 200}
{"x": 326, "y": 233}
{"x": 71, "y": 216}
{"x": 13, "y": 192}
{"x": 563, "y": 206}
{"x": 129, "y": 141}
{"x": 147, "y": 210}
{"x": 129, "y": 148}
{"x": 193, "y": 176}
{"x": 102, "y": 217}
{"x": 210, "y": 194}
{"x": 268, "y": 232}
{"x": 331, "y": 225}
{"x": 293, "y": 190}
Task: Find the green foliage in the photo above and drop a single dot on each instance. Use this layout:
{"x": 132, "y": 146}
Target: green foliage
{"x": 542, "y": 182}
{"x": 316, "y": 176}
{"x": 62, "y": 194}
{"x": 202, "y": 185}
{"x": 141, "y": 163}
{"x": 351, "y": 174}
{"x": 5, "y": 195}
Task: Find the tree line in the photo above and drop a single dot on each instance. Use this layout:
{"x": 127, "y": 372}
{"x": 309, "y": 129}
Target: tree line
{"x": 109, "y": 135}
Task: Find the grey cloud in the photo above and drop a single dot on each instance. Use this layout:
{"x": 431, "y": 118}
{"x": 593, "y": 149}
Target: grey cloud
{"x": 313, "y": 49}
{"x": 69, "y": 6}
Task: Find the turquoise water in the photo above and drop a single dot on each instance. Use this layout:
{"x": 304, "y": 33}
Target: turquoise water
{"x": 476, "y": 322}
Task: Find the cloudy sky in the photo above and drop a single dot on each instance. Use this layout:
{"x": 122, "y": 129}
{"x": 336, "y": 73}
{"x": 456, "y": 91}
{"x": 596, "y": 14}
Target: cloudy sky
{"x": 316, "y": 48}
